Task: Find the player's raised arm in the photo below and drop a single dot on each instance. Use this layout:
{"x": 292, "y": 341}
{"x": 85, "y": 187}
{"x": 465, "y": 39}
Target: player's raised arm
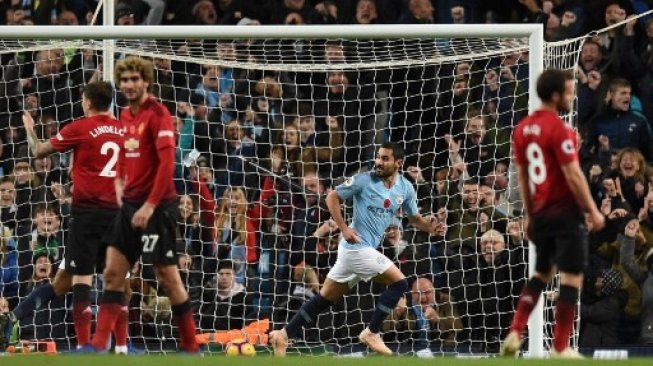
{"x": 38, "y": 148}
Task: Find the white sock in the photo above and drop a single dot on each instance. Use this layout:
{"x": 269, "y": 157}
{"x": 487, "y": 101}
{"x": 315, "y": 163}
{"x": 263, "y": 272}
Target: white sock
{"x": 120, "y": 350}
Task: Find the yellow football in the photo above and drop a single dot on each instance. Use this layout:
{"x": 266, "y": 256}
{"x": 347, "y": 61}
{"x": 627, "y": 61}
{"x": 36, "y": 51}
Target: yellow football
{"x": 240, "y": 347}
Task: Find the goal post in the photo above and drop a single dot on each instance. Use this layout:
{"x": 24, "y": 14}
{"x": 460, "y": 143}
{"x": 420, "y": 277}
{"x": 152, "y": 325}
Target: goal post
{"x": 406, "y": 47}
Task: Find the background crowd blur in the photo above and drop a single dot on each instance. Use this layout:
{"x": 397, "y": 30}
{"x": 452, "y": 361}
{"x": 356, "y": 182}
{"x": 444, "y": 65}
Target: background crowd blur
{"x": 255, "y": 237}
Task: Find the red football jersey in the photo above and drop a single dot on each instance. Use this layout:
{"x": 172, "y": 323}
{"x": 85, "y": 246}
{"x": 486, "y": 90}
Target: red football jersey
{"x": 147, "y": 163}
{"x": 96, "y": 142}
{"x": 542, "y": 143}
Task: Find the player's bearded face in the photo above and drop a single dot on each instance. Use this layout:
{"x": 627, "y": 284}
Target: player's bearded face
{"x": 385, "y": 164}
{"x": 132, "y": 85}
{"x": 566, "y": 101}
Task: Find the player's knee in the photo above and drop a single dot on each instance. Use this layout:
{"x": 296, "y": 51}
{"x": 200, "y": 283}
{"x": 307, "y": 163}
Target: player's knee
{"x": 113, "y": 277}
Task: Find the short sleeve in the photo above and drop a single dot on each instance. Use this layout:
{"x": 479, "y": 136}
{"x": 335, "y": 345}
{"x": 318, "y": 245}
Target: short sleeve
{"x": 68, "y": 138}
{"x": 564, "y": 145}
{"x": 352, "y": 186}
{"x": 410, "y": 203}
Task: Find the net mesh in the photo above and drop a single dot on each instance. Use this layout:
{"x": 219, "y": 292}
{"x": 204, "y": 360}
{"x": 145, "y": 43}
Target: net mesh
{"x": 265, "y": 129}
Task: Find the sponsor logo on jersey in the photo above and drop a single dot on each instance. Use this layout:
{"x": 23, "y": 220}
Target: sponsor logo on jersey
{"x": 131, "y": 144}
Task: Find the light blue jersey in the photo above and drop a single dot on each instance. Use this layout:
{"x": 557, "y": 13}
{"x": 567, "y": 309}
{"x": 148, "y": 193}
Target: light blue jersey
{"x": 375, "y": 205}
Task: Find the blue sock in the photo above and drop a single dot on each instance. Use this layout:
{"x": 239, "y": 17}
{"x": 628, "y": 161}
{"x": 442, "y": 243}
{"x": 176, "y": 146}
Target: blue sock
{"x": 40, "y": 296}
{"x": 387, "y": 302}
{"x": 307, "y": 314}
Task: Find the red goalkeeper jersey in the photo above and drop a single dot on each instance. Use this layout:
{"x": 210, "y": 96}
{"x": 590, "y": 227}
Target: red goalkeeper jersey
{"x": 96, "y": 142}
{"x": 542, "y": 143}
{"x": 147, "y": 163}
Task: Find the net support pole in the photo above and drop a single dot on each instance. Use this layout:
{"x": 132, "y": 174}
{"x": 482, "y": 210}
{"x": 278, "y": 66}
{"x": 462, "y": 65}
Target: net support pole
{"x": 536, "y": 66}
{"x": 108, "y": 18}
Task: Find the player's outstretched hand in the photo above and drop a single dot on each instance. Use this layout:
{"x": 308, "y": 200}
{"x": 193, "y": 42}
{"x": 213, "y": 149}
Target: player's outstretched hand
{"x": 28, "y": 121}
{"x": 351, "y": 236}
{"x": 598, "y": 220}
{"x": 142, "y": 216}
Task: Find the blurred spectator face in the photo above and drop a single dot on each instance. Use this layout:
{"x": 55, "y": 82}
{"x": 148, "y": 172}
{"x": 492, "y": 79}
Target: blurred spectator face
{"x": 162, "y": 64}
{"x": 422, "y": 292}
{"x": 470, "y": 195}
{"x": 7, "y": 194}
{"x": 334, "y": 53}
{"x": 4, "y": 305}
{"x": 338, "y": 82}
{"x": 42, "y": 268}
{"x": 620, "y": 99}
{"x": 366, "y": 12}
{"x": 590, "y": 56}
{"x": 200, "y": 111}
{"x": 614, "y": 14}
{"x": 487, "y": 196}
{"x": 235, "y": 200}
{"x": 492, "y": 243}
{"x": 511, "y": 60}
{"x": 67, "y": 18}
{"x": 227, "y": 51}
{"x": 421, "y": 9}
{"x": 49, "y": 62}
{"x": 629, "y": 165}
{"x": 311, "y": 182}
{"x": 649, "y": 30}
{"x": 458, "y": 14}
{"x": 609, "y": 187}
{"x": 22, "y": 173}
{"x": 294, "y": 4}
{"x": 47, "y": 222}
{"x": 132, "y": 86}
{"x": 205, "y": 13}
{"x": 233, "y": 133}
{"x": 614, "y": 162}
{"x": 269, "y": 87}
{"x": 291, "y": 137}
{"x": 225, "y": 278}
{"x": 393, "y": 234}
{"x": 306, "y": 127}
{"x": 185, "y": 207}
{"x": 476, "y": 129}
{"x": 211, "y": 79}
{"x": 42, "y": 166}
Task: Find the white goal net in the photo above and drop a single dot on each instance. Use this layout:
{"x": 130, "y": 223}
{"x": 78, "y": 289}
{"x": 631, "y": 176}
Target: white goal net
{"x": 265, "y": 129}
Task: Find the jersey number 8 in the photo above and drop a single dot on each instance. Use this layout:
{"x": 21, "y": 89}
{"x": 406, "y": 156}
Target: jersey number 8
{"x": 536, "y": 166}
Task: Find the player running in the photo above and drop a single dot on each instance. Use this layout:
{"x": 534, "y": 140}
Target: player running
{"x": 377, "y": 197}
{"x": 95, "y": 141}
{"x": 147, "y": 222}
{"x": 555, "y": 195}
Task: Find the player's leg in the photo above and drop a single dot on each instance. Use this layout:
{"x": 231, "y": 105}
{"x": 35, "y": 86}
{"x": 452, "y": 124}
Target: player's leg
{"x": 397, "y": 287}
{"x": 565, "y": 313}
{"x": 168, "y": 277}
{"x": 82, "y": 313}
{"x": 113, "y": 297}
{"x": 121, "y": 329}
{"x": 338, "y": 282}
{"x": 329, "y": 294}
{"x": 571, "y": 258}
{"x": 42, "y": 295}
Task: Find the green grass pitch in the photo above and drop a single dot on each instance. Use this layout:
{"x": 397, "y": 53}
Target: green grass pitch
{"x": 173, "y": 360}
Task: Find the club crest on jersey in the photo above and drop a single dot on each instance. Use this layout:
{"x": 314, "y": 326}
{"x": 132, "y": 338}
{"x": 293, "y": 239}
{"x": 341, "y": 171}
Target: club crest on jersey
{"x": 349, "y": 181}
{"x": 399, "y": 200}
{"x": 568, "y": 146}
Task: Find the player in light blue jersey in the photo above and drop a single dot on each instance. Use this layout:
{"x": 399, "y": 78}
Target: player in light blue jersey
{"x": 377, "y": 198}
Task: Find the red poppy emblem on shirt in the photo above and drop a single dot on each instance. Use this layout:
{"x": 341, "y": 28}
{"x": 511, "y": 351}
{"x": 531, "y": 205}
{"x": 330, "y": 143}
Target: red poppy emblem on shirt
{"x": 386, "y": 203}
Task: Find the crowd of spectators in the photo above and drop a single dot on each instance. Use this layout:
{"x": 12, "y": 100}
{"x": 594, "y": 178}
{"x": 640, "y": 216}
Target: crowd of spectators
{"x": 258, "y": 150}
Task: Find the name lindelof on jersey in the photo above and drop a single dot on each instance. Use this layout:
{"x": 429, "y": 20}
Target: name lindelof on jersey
{"x": 532, "y": 130}
{"x": 101, "y": 130}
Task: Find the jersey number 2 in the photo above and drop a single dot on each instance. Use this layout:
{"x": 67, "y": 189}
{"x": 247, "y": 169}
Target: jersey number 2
{"x": 536, "y": 166}
{"x": 114, "y": 149}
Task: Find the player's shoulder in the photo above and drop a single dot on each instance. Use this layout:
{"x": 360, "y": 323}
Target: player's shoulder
{"x": 155, "y": 107}
{"x": 360, "y": 179}
{"x": 405, "y": 184}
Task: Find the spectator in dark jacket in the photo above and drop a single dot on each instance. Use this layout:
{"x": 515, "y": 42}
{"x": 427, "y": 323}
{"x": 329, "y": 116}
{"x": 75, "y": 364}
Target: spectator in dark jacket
{"x": 623, "y": 127}
{"x": 602, "y": 302}
{"x": 224, "y": 301}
